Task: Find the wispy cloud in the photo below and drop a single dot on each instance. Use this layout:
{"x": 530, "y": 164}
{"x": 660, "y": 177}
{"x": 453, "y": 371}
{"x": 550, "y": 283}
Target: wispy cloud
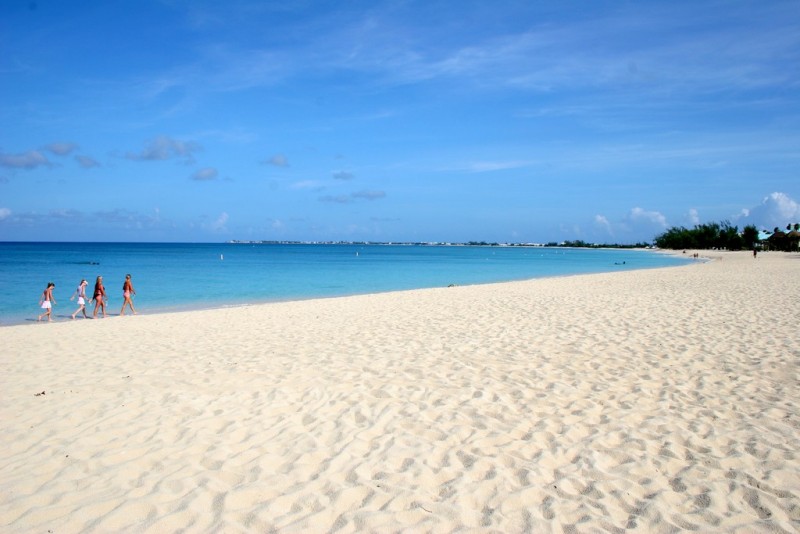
{"x": 337, "y": 199}
{"x": 277, "y": 160}
{"x": 67, "y": 214}
{"x": 87, "y": 162}
{"x": 125, "y": 218}
{"x": 206, "y": 174}
{"x": 308, "y": 184}
{"x": 492, "y": 166}
{"x": 369, "y": 195}
{"x": 640, "y": 216}
{"x": 61, "y": 149}
{"x": 118, "y": 218}
{"x": 637, "y": 225}
{"x": 343, "y": 175}
{"x": 604, "y": 225}
{"x": 622, "y": 47}
{"x": 219, "y": 224}
{"x": 26, "y": 160}
{"x": 163, "y": 148}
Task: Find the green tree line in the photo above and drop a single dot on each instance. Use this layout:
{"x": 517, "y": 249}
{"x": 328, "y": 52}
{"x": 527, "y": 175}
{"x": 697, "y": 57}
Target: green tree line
{"x": 723, "y": 236}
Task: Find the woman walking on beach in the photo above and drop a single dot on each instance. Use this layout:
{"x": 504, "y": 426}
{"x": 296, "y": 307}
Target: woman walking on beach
{"x": 80, "y": 292}
{"x": 47, "y": 301}
{"x": 127, "y": 291}
{"x": 99, "y": 297}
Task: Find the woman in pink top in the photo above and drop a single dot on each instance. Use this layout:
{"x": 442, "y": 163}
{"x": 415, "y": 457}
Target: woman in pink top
{"x": 47, "y": 301}
{"x": 127, "y": 291}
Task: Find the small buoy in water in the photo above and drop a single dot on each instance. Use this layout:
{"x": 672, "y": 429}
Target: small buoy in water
{"x": 221, "y": 257}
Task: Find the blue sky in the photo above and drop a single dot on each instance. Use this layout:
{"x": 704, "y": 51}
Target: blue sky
{"x": 511, "y": 121}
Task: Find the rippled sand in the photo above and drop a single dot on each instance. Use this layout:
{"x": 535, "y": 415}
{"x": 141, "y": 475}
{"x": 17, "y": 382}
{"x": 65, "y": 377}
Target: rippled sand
{"x": 646, "y": 401}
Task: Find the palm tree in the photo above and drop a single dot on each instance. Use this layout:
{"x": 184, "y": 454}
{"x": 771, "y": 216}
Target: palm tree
{"x": 750, "y": 236}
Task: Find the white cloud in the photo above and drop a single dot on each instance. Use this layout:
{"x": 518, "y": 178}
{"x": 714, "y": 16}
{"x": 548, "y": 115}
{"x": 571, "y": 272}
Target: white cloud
{"x": 27, "y": 160}
{"x": 369, "y": 195}
{"x": 638, "y": 225}
{"x": 278, "y": 160}
{"x": 602, "y": 222}
{"x": 307, "y": 184}
{"x": 337, "y": 199}
{"x": 209, "y": 173}
{"x": 163, "y": 148}
{"x": 5, "y": 213}
{"x": 61, "y": 149}
{"x": 219, "y": 224}
{"x": 492, "y": 166}
{"x": 66, "y": 214}
{"x": 777, "y": 209}
{"x": 86, "y": 162}
{"x": 693, "y": 216}
{"x": 352, "y": 197}
{"x": 343, "y": 175}
{"x": 654, "y": 218}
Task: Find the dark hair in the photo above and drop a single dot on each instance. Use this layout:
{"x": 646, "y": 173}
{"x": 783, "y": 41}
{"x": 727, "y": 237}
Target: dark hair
{"x": 50, "y": 284}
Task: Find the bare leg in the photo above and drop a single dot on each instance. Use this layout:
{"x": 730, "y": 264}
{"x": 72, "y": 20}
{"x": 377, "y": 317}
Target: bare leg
{"x": 129, "y": 302}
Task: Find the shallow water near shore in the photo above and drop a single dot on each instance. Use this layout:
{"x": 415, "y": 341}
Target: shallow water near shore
{"x": 170, "y": 276}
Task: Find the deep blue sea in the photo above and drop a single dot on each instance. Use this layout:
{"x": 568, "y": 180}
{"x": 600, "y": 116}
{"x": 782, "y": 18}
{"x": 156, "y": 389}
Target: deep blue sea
{"x": 170, "y": 277}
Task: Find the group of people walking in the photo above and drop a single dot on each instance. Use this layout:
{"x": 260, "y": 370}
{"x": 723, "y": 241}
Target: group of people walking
{"x": 99, "y": 298}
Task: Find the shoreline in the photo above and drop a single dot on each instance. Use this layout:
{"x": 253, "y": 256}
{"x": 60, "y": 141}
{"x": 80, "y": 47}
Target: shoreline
{"x": 64, "y": 316}
{"x": 650, "y": 400}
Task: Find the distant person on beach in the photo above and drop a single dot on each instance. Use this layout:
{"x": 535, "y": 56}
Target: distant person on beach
{"x": 47, "y": 301}
{"x": 127, "y": 292}
{"x": 755, "y": 252}
{"x": 80, "y": 292}
{"x": 99, "y": 297}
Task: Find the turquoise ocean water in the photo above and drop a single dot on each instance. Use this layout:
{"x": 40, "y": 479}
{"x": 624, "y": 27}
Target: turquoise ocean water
{"x": 170, "y": 277}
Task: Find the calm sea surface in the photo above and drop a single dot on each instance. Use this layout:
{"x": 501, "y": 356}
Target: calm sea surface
{"x": 169, "y": 277}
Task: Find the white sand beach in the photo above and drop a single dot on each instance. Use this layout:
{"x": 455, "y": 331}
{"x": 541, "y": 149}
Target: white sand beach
{"x": 646, "y": 401}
